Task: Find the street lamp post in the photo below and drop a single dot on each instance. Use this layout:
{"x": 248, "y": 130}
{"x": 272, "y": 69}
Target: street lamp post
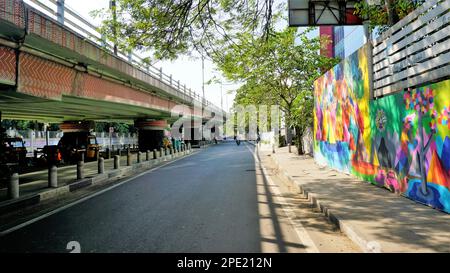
{"x": 112, "y": 6}
{"x": 203, "y": 76}
{"x": 221, "y": 97}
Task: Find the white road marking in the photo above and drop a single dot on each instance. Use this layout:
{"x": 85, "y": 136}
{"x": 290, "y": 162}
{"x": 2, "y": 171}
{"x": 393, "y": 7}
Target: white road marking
{"x": 300, "y": 230}
{"x": 43, "y": 216}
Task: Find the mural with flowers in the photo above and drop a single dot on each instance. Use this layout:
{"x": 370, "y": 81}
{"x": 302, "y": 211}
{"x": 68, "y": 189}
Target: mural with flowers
{"x": 401, "y": 141}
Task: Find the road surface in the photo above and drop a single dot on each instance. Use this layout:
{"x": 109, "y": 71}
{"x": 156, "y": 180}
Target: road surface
{"x": 216, "y": 200}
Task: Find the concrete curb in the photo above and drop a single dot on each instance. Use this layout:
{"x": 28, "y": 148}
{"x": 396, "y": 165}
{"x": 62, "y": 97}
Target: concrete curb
{"x": 9, "y": 206}
{"x": 349, "y": 230}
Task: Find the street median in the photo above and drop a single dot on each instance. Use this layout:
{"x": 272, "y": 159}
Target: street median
{"x": 105, "y": 178}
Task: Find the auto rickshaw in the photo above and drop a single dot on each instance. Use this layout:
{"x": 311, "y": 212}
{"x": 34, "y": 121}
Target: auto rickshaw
{"x": 75, "y": 145}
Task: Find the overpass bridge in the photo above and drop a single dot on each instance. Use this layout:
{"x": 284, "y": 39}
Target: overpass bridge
{"x": 56, "y": 68}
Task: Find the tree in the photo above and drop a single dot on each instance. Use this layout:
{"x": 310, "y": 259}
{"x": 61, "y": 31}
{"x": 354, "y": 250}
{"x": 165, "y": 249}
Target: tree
{"x": 385, "y": 13}
{"x": 277, "y": 71}
{"x": 122, "y": 128}
{"x": 169, "y": 28}
{"x": 303, "y": 115}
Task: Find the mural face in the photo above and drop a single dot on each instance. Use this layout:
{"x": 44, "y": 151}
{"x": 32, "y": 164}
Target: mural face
{"x": 401, "y": 141}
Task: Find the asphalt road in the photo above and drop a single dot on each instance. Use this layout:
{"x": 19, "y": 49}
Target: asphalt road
{"x": 203, "y": 203}
{"x": 217, "y": 200}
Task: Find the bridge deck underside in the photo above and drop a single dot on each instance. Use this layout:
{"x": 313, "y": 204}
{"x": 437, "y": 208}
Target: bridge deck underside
{"x": 15, "y": 105}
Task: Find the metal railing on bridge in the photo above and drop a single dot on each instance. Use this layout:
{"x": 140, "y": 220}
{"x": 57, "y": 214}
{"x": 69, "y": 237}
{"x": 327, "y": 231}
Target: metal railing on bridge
{"x": 65, "y": 15}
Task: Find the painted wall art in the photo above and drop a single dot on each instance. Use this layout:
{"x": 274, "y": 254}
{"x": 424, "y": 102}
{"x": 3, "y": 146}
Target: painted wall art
{"x": 400, "y": 141}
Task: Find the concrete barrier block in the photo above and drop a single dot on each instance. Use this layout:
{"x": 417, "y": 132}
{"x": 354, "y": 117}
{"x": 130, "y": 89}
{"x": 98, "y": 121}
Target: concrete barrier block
{"x": 53, "y": 193}
{"x": 80, "y": 184}
{"x": 100, "y": 178}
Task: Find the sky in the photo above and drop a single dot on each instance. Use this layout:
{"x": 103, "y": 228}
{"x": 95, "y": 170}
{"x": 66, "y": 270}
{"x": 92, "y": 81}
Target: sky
{"x": 189, "y": 71}
{"x": 185, "y": 69}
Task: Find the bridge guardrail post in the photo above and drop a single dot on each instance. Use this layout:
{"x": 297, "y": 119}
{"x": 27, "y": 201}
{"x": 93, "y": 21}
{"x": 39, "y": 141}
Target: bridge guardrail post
{"x": 13, "y": 186}
{"x": 52, "y": 176}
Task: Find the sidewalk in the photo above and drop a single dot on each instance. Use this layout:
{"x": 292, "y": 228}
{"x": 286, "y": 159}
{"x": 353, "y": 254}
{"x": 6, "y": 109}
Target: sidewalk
{"x": 372, "y": 217}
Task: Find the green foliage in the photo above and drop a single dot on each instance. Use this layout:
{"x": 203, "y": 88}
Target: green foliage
{"x": 274, "y": 71}
{"x": 122, "y": 128}
{"x": 278, "y": 71}
{"x": 27, "y": 125}
{"x": 169, "y": 28}
{"x": 17, "y": 124}
{"x": 302, "y": 116}
{"x": 377, "y": 13}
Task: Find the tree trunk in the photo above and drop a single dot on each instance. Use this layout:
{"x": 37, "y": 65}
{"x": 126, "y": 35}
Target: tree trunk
{"x": 392, "y": 16}
{"x": 299, "y": 135}
{"x": 288, "y": 128}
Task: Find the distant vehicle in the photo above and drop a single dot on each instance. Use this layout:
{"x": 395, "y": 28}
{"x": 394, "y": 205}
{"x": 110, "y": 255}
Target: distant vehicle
{"x": 13, "y": 156}
{"x": 73, "y": 144}
{"x": 50, "y": 154}
{"x": 14, "y": 150}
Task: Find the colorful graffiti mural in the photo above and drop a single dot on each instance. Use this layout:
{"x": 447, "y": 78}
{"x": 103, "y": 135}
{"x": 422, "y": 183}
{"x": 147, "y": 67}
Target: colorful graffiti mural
{"x": 401, "y": 141}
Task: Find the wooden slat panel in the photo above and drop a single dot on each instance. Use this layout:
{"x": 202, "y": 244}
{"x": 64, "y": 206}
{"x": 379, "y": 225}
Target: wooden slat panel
{"x": 415, "y": 51}
{"x": 416, "y": 36}
{"x": 419, "y": 28}
{"x": 424, "y": 43}
{"x": 417, "y": 69}
{"x": 413, "y": 57}
{"x": 381, "y": 42}
{"x": 421, "y": 79}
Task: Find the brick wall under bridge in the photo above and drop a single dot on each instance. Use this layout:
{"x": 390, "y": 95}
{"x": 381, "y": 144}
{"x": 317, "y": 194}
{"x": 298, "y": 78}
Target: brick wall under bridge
{"x": 40, "y": 80}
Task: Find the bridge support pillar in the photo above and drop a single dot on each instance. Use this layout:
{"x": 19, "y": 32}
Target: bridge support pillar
{"x": 193, "y": 132}
{"x": 151, "y": 134}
